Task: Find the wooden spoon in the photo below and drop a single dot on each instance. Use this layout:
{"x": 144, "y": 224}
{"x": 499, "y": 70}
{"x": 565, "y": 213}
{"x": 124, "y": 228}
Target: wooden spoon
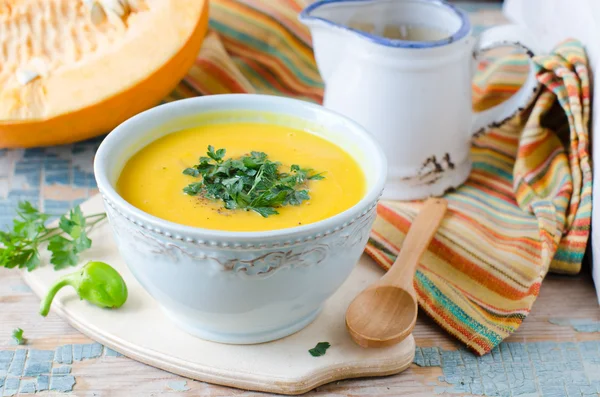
{"x": 385, "y": 313}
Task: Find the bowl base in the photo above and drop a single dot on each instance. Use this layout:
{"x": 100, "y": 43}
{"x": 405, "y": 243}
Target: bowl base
{"x": 241, "y": 338}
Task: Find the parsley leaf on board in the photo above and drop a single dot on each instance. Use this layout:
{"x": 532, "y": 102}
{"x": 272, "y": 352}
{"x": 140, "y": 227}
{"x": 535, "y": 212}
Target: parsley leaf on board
{"x": 251, "y": 182}
{"x": 19, "y": 247}
{"x": 17, "y": 335}
{"x": 320, "y": 349}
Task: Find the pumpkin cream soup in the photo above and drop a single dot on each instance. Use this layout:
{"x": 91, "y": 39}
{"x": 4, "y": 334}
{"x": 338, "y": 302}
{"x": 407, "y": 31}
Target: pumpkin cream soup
{"x": 242, "y": 177}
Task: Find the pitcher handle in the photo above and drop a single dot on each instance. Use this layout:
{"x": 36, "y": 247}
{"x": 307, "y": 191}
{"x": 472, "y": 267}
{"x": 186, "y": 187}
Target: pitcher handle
{"x": 506, "y": 36}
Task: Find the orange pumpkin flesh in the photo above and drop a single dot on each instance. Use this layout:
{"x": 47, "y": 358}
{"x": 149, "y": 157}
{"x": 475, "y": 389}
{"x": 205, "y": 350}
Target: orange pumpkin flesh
{"x": 102, "y": 89}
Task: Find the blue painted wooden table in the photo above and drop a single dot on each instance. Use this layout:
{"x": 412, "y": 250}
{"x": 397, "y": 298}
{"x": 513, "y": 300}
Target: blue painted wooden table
{"x": 556, "y": 353}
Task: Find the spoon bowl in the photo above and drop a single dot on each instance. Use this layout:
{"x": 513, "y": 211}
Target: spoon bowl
{"x": 386, "y": 312}
{"x": 397, "y": 313}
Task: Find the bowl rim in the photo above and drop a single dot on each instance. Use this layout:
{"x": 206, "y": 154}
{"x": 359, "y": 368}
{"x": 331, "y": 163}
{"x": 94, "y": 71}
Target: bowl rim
{"x": 277, "y": 105}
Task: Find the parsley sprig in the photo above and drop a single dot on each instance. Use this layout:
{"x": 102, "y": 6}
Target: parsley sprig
{"x": 251, "y": 182}
{"x": 20, "y": 247}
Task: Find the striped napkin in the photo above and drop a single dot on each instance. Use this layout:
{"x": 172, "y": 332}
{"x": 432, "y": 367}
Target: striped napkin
{"x": 526, "y": 208}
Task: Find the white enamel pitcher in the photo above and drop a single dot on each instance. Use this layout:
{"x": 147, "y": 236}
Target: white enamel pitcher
{"x": 413, "y": 94}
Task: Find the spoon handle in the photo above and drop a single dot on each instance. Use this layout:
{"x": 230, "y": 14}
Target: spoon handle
{"x": 420, "y": 234}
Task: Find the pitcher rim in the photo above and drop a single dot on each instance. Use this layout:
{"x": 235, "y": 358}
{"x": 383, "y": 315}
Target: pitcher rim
{"x": 462, "y": 32}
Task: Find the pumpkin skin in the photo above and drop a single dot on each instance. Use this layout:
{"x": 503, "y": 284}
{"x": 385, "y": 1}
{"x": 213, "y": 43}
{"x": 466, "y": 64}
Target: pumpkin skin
{"x": 132, "y": 92}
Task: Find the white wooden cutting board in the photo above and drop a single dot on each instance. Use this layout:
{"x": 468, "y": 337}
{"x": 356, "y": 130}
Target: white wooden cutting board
{"x": 141, "y": 331}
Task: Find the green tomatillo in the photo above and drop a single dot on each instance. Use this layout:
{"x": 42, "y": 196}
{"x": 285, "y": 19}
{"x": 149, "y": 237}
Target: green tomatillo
{"x": 96, "y": 282}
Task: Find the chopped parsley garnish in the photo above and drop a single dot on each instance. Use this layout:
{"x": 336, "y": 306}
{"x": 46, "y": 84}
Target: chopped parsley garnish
{"x": 320, "y": 349}
{"x": 251, "y": 182}
{"x": 19, "y": 247}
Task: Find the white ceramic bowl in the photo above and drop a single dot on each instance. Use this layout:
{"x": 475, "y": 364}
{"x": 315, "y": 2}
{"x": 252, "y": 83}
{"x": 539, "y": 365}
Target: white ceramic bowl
{"x": 239, "y": 287}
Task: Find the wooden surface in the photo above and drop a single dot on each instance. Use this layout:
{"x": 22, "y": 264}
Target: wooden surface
{"x": 571, "y": 298}
{"x": 282, "y": 366}
{"x": 57, "y": 178}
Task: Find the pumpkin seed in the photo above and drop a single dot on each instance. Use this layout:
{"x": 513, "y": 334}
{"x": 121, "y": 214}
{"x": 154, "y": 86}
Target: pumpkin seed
{"x": 34, "y": 68}
{"x": 97, "y": 13}
{"x": 113, "y": 10}
{"x": 25, "y": 76}
{"x": 119, "y": 7}
{"x": 115, "y": 20}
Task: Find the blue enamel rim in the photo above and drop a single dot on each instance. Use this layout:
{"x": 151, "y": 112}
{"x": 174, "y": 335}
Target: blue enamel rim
{"x": 464, "y": 30}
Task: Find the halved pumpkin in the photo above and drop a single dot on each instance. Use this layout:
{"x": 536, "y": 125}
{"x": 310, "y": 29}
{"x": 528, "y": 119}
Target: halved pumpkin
{"x": 74, "y": 69}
